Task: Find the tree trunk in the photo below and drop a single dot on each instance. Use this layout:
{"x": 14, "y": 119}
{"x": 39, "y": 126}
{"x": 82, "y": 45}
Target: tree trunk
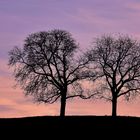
{"x": 63, "y": 105}
{"x": 114, "y": 106}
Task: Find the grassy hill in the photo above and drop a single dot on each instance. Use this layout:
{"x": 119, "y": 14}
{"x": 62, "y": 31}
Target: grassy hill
{"x": 70, "y": 125}
{"x": 52, "y": 122}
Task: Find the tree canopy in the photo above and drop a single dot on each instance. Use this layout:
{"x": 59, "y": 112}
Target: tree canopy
{"x": 116, "y": 62}
{"x": 47, "y": 68}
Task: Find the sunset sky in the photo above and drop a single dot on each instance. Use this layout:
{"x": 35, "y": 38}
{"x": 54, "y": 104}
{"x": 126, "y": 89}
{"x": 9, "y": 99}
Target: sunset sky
{"x": 84, "y": 19}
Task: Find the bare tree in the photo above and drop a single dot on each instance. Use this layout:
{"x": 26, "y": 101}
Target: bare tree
{"x": 116, "y": 63}
{"x": 47, "y": 69}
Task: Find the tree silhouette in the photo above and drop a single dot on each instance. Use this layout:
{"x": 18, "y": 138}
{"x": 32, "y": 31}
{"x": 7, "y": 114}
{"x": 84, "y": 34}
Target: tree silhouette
{"x": 47, "y": 69}
{"x": 116, "y": 63}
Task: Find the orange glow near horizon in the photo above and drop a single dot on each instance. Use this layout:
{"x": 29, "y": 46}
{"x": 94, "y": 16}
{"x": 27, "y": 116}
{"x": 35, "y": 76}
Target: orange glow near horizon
{"x": 13, "y": 103}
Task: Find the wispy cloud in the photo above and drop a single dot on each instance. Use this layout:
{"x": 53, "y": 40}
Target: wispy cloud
{"x": 134, "y": 6}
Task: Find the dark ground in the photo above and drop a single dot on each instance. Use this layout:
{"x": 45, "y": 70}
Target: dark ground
{"x": 71, "y": 126}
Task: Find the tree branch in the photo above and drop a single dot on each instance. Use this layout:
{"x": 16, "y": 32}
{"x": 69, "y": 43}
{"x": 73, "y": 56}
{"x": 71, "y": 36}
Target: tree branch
{"x": 129, "y": 90}
{"x": 58, "y": 73}
{"x": 81, "y": 96}
{"x": 78, "y": 67}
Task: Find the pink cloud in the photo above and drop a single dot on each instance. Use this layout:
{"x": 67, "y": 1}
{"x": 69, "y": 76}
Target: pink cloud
{"x": 4, "y": 67}
{"x": 133, "y": 6}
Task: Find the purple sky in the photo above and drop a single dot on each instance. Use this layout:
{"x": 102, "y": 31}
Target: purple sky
{"x": 85, "y": 19}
